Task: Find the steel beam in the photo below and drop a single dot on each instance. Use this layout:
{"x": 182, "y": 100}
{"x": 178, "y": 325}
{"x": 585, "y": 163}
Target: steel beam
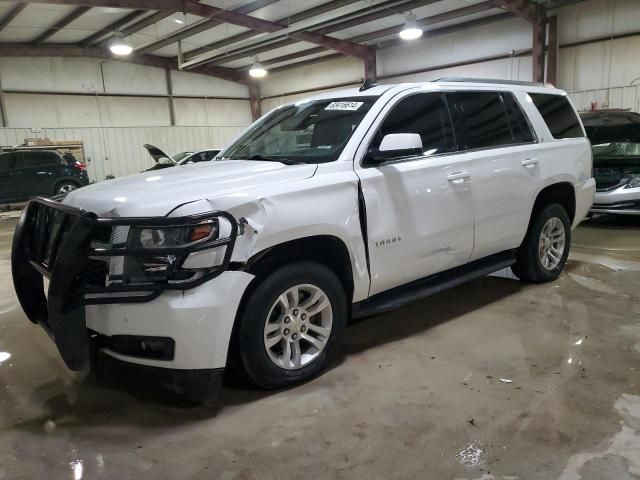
{"x": 229, "y": 16}
{"x": 298, "y": 17}
{"x": 552, "y": 51}
{"x": 11, "y": 14}
{"x": 527, "y": 9}
{"x": 61, "y": 50}
{"x": 386, "y": 32}
{"x": 538, "y": 41}
{"x": 254, "y": 101}
{"x": 60, "y": 24}
{"x": 356, "y": 18}
{"x": 198, "y": 28}
{"x": 113, "y": 27}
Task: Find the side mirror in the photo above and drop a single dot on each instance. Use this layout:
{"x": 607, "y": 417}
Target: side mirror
{"x": 395, "y": 145}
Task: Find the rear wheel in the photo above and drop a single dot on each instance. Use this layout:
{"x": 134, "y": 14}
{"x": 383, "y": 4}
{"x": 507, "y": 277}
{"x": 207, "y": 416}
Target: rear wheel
{"x": 65, "y": 187}
{"x": 543, "y": 254}
{"x": 291, "y": 325}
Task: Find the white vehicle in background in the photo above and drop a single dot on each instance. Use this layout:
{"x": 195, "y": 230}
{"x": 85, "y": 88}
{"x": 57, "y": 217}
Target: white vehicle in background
{"x": 164, "y": 160}
{"x": 344, "y": 205}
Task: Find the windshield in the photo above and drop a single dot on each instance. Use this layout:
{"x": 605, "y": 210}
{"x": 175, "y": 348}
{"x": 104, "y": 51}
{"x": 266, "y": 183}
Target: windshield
{"x": 617, "y": 149}
{"x": 308, "y": 132}
{"x": 179, "y": 156}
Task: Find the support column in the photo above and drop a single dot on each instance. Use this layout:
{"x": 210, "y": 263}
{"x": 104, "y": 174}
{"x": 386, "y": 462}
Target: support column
{"x": 552, "y": 51}
{"x": 539, "y": 28}
{"x": 254, "y": 100}
{"x": 172, "y": 111}
{"x": 370, "y": 67}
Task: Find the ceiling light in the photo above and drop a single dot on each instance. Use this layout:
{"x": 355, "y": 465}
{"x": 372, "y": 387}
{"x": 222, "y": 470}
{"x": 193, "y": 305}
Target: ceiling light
{"x": 411, "y": 29}
{"x": 257, "y": 70}
{"x": 119, "y": 46}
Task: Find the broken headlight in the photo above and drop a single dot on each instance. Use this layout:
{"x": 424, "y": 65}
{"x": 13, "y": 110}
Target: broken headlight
{"x": 164, "y": 266}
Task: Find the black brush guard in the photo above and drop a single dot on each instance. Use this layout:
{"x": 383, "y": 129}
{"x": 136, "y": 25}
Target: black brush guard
{"x": 54, "y": 240}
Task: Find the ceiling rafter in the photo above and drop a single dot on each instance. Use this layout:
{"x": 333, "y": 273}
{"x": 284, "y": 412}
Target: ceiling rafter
{"x": 62, "y": 50}
{"x": 199, "y": 27}
{"x": 363, "y": 17}
{"x": 527, "y": 9}
{"x": 60, "y": 24}
{"x": 432, "y": 33}
{"x": 11, "y": 14}
{"x": 113, "y": 27}
{"x": 297, "y": 17}
{"x": 229, "y": 16}
{"x": 385, "y": 32}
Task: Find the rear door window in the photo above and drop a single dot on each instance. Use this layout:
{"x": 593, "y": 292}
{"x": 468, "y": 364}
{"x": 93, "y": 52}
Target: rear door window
{"x": 480, "y": 120}
{"x": 32, "y": 159}
{"x": 558, "y": 114}
{"x": 425, "y": 114}
{"x": 520, "y": 127}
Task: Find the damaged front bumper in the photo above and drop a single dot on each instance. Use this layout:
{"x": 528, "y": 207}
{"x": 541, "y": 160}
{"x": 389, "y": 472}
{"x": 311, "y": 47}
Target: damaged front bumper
{"x": 74, "y": 250}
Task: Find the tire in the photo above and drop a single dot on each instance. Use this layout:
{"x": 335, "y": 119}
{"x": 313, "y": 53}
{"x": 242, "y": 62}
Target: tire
{"x": 65, "y": 187}
{"x": 266, "y": 328}
{"x": 531, "y": 265}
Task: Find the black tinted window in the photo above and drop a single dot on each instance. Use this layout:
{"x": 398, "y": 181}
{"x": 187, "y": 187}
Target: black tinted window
{"x": 37, "y": 159}
{"x": 558, "y": 114}
{"x": 519, "y": 126}
{"x": 425, "y": 114}
{"x": 481, "y": 119}
{"x": 7, "y": 161}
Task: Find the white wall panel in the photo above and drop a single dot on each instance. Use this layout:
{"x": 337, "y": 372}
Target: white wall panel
{"x": 81, "y": 75}
{"x": 191, "y": 84}
{"x": 319, "y": 75}
{"x": 196, "y": 111}
{"x": 122, "y": 77}
{"x": 34, "y": 110}
{"x": 466, "y": 45}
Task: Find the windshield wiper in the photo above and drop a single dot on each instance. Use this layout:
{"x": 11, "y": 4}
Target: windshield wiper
{"x": 268, "y": 158}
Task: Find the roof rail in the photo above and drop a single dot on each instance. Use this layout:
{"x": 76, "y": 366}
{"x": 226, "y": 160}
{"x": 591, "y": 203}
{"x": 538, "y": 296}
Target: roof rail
{"x": 490, "y": 80}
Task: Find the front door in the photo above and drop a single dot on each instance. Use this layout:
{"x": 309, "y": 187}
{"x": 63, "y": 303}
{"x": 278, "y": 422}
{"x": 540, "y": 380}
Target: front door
{"x": 419, "y": 209}
{"x": 36, "y": 172}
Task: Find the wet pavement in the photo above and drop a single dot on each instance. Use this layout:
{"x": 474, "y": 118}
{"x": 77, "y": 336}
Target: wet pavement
{"x": 492, "y": 380}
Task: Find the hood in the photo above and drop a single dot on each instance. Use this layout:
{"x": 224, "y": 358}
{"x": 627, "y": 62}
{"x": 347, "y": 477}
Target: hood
{"x": 156, "y": 193}
{"x": 158, "y": 154}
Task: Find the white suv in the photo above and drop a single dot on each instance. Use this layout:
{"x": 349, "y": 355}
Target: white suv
{"x": 348, "y": 204}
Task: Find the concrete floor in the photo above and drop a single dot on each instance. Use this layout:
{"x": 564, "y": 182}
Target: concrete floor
{"x": 417, "y": 393}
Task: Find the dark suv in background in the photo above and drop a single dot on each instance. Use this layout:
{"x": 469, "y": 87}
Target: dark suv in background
{"x": 26, "y": 173}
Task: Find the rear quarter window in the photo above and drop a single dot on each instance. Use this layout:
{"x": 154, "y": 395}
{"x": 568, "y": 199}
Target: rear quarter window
{"x": 558, "y": 114}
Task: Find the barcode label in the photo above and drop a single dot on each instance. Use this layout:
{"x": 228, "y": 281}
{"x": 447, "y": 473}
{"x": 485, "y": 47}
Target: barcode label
{"x": 344, "y": 106}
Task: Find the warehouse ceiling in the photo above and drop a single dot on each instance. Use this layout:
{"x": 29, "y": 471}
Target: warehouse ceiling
{"x": 201, "y": 42}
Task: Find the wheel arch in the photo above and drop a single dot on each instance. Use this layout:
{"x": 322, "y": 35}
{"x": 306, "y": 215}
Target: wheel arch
{"x": 62, "y": 180}
{"x": 560, "y": 192}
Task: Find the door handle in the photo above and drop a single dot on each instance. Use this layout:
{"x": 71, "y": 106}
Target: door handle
{"x": 458, "y": 177}
{"x": 529, "y": 162}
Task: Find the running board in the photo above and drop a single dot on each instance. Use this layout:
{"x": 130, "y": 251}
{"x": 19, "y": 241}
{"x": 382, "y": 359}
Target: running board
{"x": 428, "y": 286}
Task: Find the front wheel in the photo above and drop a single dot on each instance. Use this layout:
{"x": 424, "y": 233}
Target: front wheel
{"x": 544, "y": 252}
{"x": 291, "y": 325}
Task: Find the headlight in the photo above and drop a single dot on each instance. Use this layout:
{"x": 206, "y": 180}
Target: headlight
{"x": 634, "y": 182}
{"x": 164, "y": 267}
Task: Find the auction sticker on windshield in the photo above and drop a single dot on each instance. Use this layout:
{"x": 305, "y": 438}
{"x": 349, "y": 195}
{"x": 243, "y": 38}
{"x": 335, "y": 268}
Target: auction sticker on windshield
{"x": 344, "y": 106}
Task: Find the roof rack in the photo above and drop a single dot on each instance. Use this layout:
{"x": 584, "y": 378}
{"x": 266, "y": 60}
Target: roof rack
{"x": 489, "y": 80}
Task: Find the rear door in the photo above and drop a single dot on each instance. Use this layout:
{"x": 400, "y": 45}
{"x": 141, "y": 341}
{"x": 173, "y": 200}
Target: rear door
{"x": 419, "y": 208}
{"x": 492, "y": 130}
{"x": 36, "y": 172}
{"x": 7, "y": 185}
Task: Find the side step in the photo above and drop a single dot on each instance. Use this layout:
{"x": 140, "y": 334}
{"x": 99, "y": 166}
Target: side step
{"x": 428, "y": 286}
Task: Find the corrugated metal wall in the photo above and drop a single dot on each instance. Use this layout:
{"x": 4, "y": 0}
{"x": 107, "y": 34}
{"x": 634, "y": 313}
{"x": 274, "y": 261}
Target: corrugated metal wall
{"x": 119, "y": 151}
